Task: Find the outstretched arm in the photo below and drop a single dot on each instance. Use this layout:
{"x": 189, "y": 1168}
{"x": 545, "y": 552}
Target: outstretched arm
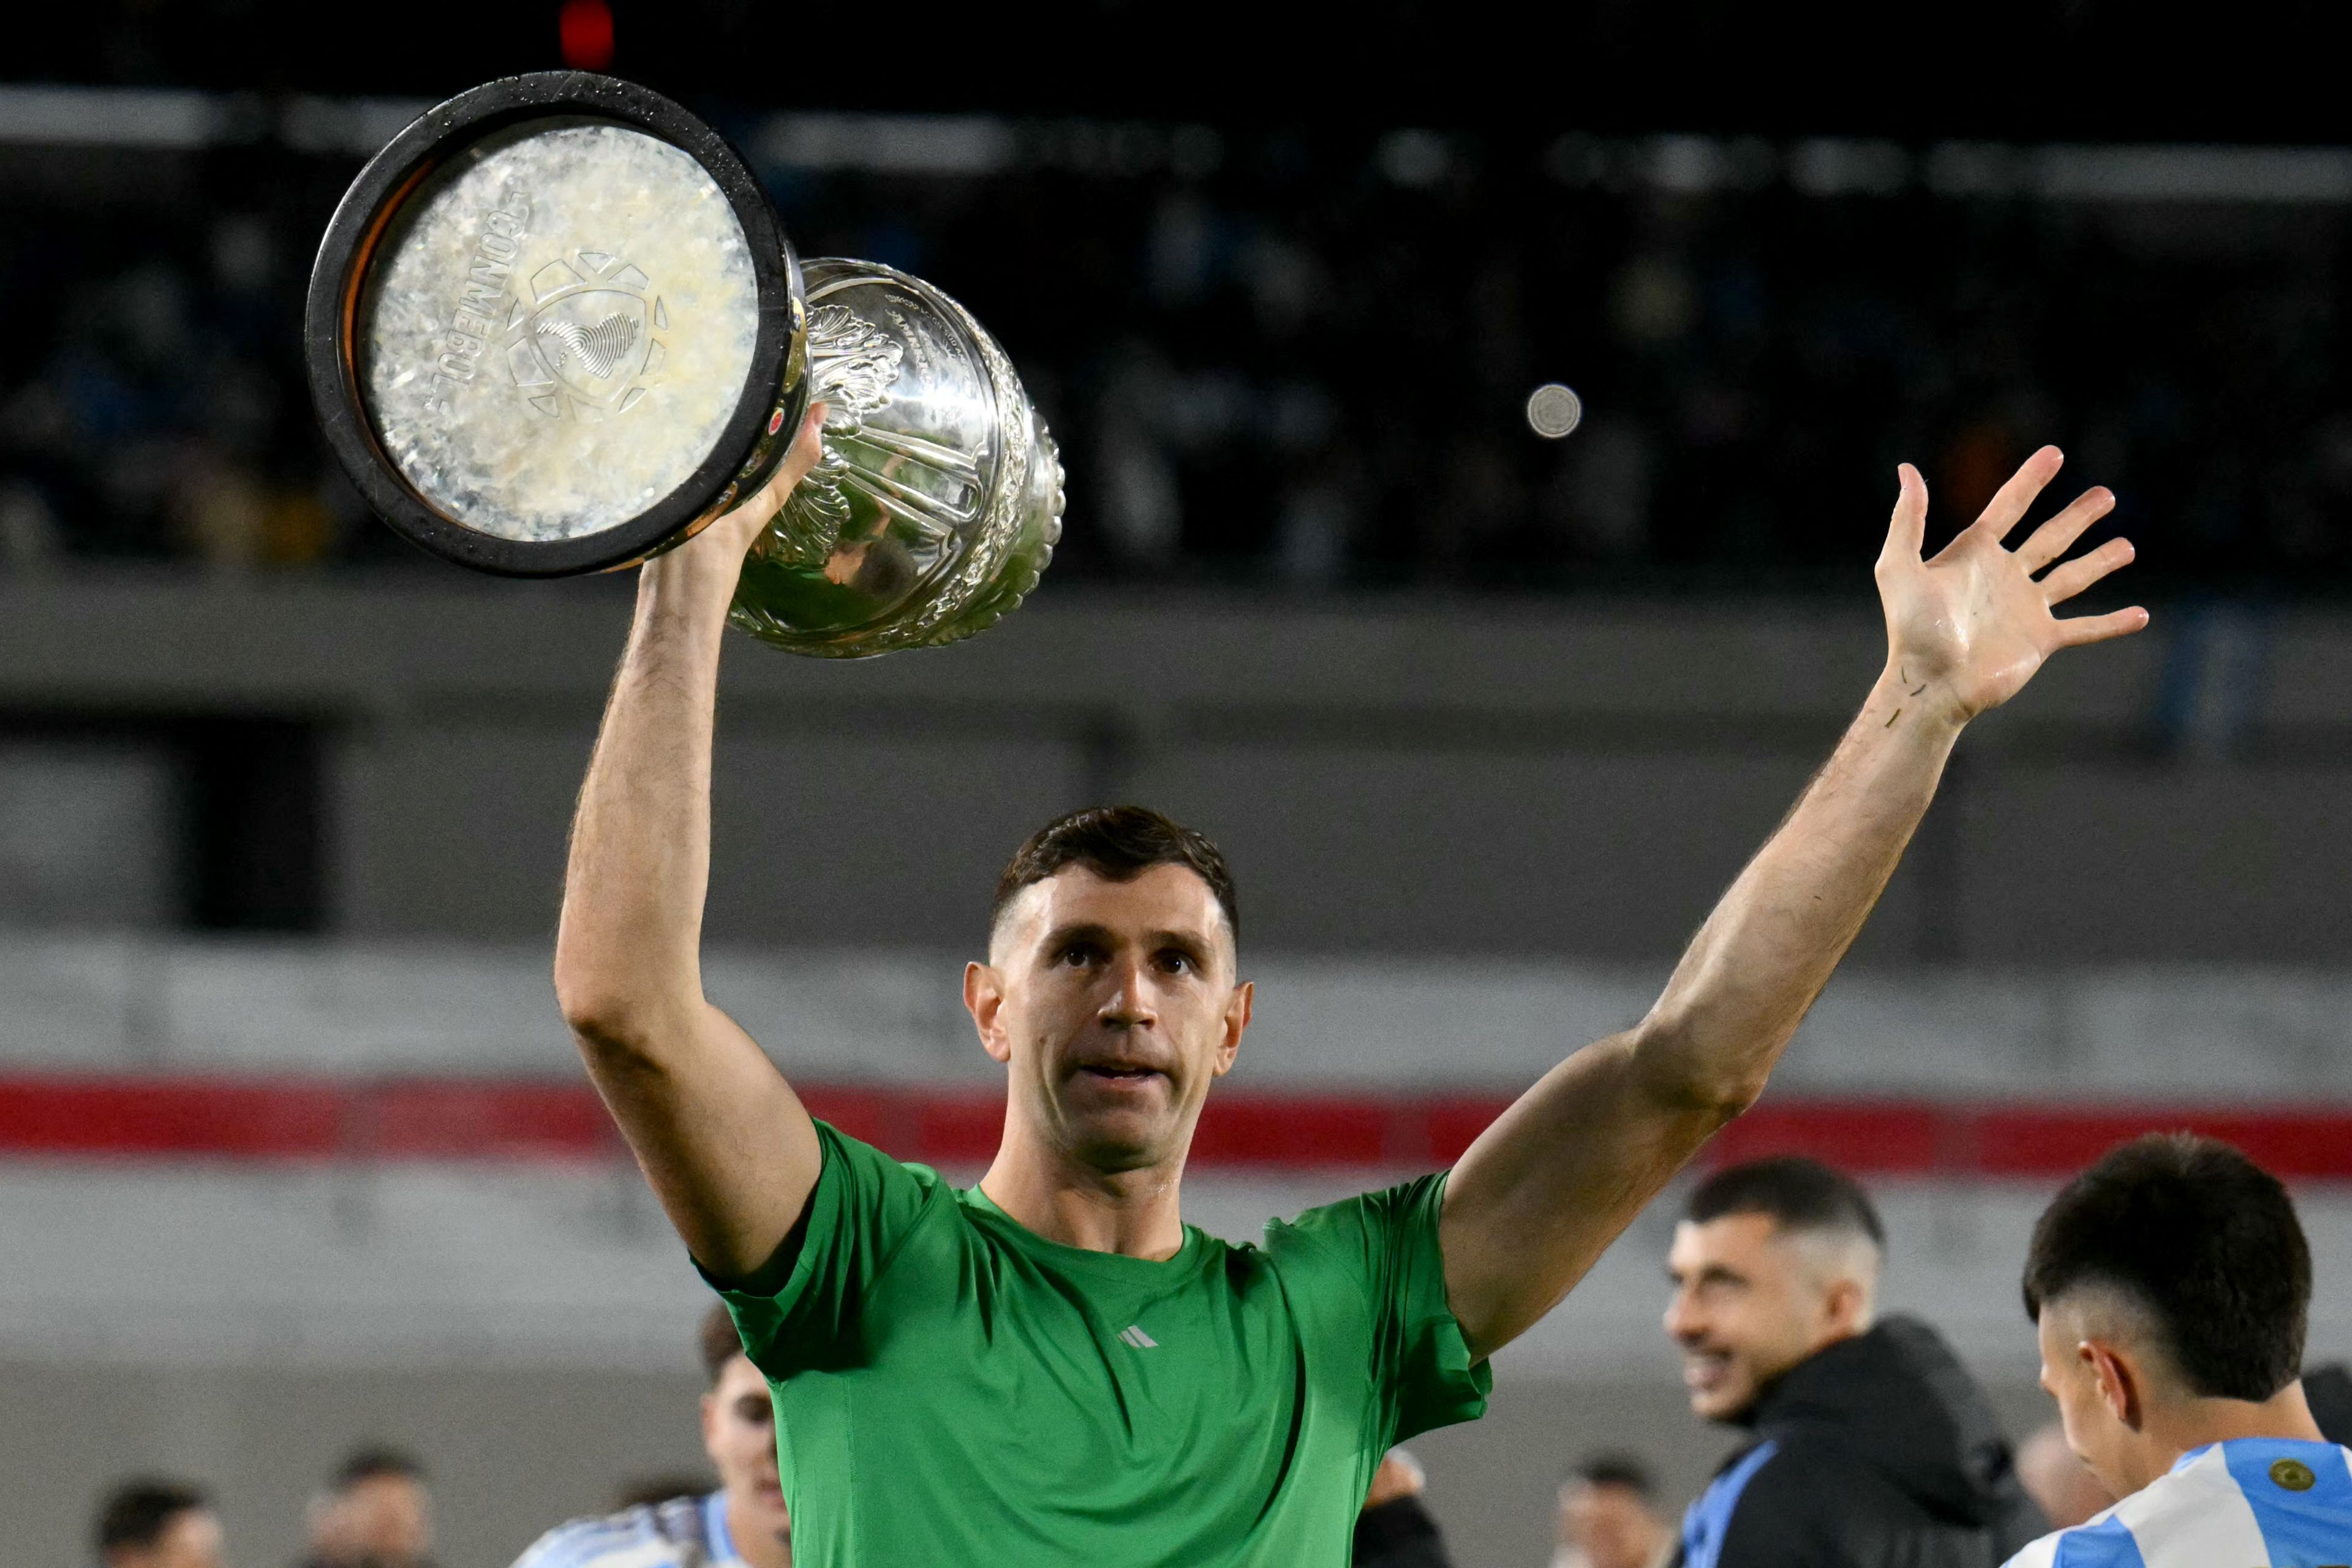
{"x": 722, "y": 1137}
{"x": 1553, "y": 1182}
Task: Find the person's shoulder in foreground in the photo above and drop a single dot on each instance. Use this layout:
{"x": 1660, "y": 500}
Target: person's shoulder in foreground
{"x": 678, "y": 1532}
{"x": 2248, "y": 1501}
{"x": 2169, "y": 1286}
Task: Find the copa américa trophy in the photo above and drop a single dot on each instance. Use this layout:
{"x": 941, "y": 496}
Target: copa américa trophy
{"x": 555, "y": 327}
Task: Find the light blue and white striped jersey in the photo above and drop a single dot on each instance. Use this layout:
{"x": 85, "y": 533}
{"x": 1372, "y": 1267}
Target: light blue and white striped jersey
{"x": 684, "y": 1533}
{"x": 2253, "y": 1502}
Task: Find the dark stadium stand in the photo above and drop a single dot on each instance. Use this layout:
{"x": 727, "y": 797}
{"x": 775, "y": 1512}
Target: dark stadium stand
{"x": 1291, "y": 357}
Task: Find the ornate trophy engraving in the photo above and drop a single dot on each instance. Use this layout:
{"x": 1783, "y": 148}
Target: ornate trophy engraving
{"x": 929, "y": 515}
{"x": 555, "y": 328}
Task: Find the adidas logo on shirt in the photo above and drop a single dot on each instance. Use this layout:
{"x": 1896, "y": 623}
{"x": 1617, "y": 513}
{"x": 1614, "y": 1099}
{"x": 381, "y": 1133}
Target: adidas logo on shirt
{"x": 1133, "y": 1335}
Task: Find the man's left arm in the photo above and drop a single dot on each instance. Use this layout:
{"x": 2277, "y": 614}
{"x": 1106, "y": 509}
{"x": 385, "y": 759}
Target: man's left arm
{"x": 1546, "y": 1188}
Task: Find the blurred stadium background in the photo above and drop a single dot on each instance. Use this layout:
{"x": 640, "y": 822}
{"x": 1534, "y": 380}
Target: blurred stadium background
{"x": 293, "y": 1151}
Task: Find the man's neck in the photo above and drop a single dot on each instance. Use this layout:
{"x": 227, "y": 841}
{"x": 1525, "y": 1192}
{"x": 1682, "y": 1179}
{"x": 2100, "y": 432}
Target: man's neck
{"x": 1136, "y": 1213}
{"x": 2181, "y": 1425}
{"x": 758, "y": 1547}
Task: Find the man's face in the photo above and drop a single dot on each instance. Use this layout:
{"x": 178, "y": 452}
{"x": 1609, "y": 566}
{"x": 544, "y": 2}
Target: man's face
{"x": 1114, "y": 1006}
{"x": 386, "y": 1520}
{"x": 1611, "y": 1524}
{"x": 189, "y": 1538}
{"x": 382, "y": 1522}
{"x": 2093, "y": 1430}
{"x": 739, "y": 1433}
{"x": 1748, "y": 1304}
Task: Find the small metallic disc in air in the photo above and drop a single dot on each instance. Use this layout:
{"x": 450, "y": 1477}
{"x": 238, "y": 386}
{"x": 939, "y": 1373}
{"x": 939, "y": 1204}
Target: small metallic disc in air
{"x": 1553, "y": 411}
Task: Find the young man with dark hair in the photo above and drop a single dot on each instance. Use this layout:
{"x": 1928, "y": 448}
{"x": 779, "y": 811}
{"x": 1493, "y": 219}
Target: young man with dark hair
{"x": 1051, "y": 1367}
{"x": 2169, "y": 1285}
{"x": 744, "y": 1524}
{"x": 152, "y": 1523}
{"x": 1873, "y": 1445}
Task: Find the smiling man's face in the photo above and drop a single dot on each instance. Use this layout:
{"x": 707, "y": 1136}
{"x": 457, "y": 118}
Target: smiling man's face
{"x": 1750, "y": 1301}
{"x": 1114, "y": 1004}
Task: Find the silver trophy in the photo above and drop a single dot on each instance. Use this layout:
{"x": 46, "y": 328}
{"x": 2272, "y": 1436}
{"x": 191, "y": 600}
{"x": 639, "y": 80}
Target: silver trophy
{"x": 555, "y": 328}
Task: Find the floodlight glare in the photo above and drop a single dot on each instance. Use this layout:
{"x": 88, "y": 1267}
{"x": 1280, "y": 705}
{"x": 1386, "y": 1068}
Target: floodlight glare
{"x": 1553, "y": 411}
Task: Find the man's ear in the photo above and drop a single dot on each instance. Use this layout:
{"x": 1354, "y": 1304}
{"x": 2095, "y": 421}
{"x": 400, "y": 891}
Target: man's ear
{"x": 983, "y": 998}
{"x": 2118, "y": 1381}
{"x": 1237, "y": 1022}
{"x": 1844, "y": 1305}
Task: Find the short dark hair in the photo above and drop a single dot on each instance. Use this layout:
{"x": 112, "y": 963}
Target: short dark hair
{"x": 716, "y": 1338}
{"x": 2200, "y": 1238}
{"x": 373, "y": 1461}
{"x": 1799, "y": 1194}
{"x": 137, "y": 1512}
{"x": 1616, "y": 1469}
{"x": 1118, "y": 842}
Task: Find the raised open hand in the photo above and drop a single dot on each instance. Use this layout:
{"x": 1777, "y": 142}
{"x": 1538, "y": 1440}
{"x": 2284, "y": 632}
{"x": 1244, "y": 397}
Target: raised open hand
{"x": 1969, "y": 629}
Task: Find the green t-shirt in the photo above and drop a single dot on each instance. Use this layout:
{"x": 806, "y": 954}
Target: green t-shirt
{"x": 951, "y": 1388}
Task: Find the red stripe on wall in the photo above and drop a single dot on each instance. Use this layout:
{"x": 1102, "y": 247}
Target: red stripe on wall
{"x": 464, "y": 1119}
{"x": 1928, "y": 1139}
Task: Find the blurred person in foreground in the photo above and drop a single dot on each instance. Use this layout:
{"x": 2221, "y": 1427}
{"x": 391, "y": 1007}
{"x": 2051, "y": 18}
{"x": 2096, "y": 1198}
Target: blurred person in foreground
{"x": 1609, "y": 1517}
{"x": 375, "y": 1514}
{"x": 1052, "y": 1357}
{"x": 742, "y": 1523}
{"x": 2169, "y": 1286}
{"x": 2061, "y": 1485}
{"x": 1873, "y": 1445}
{"x": 1394, "y": 1530}
{"x": 155, "y": 1523}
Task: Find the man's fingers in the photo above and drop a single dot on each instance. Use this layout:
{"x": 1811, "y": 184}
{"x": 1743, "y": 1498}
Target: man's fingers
{"x": 2009, "y": 502}
{"x": 2057, "y": 536}
{"x": 2099, "y": 628}
{"x": 2064, "y": 581}
{"x": 1907, "y": 531}
{"x": 807, "y": 446}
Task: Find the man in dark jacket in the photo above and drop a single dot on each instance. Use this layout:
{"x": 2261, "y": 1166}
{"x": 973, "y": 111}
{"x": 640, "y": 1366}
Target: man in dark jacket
{"x": 1394, "y": 1530}
{"x": 1873, "y": 1448}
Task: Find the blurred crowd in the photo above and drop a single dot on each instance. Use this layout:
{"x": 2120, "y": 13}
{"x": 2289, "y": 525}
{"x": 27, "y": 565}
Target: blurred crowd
{"x": 374, "y": 1512}
{"x": 1301, "y": 359}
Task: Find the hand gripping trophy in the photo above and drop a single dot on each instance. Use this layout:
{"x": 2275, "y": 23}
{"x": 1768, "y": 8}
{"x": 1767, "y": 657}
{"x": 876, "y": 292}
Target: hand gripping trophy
{"x": 555, "y": 328}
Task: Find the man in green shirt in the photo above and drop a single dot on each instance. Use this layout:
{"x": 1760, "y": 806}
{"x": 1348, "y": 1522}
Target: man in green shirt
{"x": 1051, "y": 1367}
